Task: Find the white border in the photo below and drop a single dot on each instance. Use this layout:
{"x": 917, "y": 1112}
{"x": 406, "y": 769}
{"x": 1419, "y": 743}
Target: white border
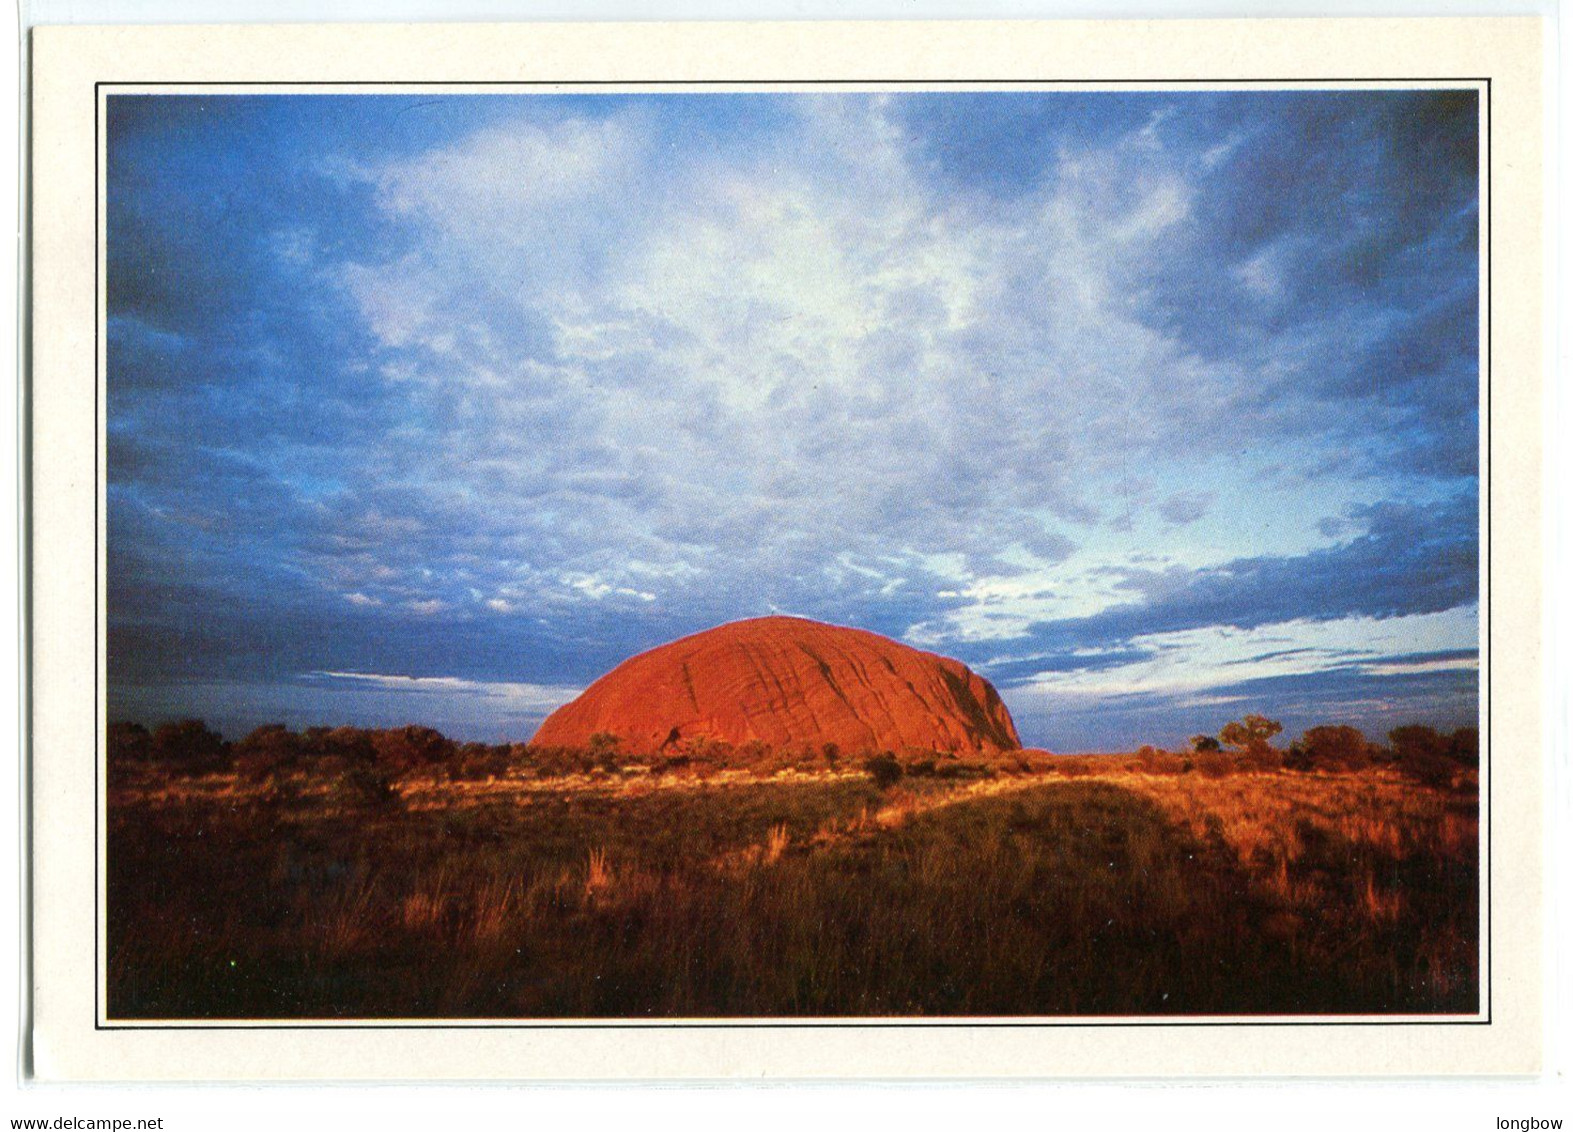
{"x": 1504, "y": 49}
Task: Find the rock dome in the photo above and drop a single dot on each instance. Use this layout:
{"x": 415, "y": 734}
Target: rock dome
{"x": 787, "y": 682}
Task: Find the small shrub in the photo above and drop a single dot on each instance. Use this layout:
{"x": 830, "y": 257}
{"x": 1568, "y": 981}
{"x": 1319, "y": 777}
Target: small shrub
{"x": 884, "y": 770}
{"x": 964, "y": 768}
{"x": 1213, "y": 764}
{"x": 367, "y": 787}
{"x": 1155, "y": 761}
{"x": 1260, "y": 762}
{"x": 478, "y": 762}
{"x": 1074, "y": 766}
{"x": 718, "y": 751}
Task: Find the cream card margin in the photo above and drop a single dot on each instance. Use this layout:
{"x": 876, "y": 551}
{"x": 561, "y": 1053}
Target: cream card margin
{"x": 65, "y": 505}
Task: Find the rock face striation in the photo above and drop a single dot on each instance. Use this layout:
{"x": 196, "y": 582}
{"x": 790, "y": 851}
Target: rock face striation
{"x": 787, "y": 682}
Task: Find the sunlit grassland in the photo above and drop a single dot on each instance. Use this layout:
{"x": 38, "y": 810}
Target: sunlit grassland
{"x": 1101, "y": 887}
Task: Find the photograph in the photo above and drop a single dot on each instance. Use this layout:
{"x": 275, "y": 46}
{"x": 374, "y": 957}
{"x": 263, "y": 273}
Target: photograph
{"x": 1003, "y": 552}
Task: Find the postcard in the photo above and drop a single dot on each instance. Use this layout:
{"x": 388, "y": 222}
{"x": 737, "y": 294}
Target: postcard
{"x": 651, "y": 551}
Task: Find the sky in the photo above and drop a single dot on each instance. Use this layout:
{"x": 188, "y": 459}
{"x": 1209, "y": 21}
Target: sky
{"x": 1155, "y": 408}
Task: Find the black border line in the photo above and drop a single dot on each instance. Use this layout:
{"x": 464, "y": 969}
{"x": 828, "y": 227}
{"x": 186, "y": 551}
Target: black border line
{"x": 100, "y": 553}
{"x": 100, "y": 111}
{"x": 1211, "y": 84}
{"x": 27, "y": 748}
{"x": 1483, "y": 493}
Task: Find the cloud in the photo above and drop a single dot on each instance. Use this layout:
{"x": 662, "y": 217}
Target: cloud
{"x": 528, "y": 698}
{"x": 1409, "y": 560}
{"x": 1375, "y": 704}
{"x": 510, "y": 388}
{"x": 461, "y": 709}
{"x": 1415, "y": 665}
{"x": 1164, "y": 687}
{"x": 1193, "y": 660}
{"x": 1185, "y": 506}
{"x": 784, "y": 358}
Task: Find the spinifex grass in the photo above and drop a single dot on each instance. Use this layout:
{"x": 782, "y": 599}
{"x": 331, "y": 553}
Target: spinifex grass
{"x": 1120, "y": 894}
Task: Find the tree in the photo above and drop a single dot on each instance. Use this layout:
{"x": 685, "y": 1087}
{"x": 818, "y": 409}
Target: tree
{"x": 349, "y": 744}
{"x": 1251, "y": 735}
{"x": 1331, "y": 747}
{"x": 1423, "y": 753}
{"x": 1464, "y": 746}
{"x": 404, "y": 748}
{"x": 267, "y": 750}
{"x": 190, "y": 746}
{"x": 1204, "y": 744}
{"x": 477, "y": 762}
{"x": 129, "y": 742}
{"x": 1417, "y": 743}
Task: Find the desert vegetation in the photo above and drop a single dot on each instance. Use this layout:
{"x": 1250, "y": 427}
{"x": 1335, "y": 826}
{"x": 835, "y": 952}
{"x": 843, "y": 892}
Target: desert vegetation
{"x": 346, "y": 873}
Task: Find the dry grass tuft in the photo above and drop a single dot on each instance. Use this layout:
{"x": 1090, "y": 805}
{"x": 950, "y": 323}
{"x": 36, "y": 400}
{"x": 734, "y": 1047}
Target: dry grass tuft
{"x": 597, "y": 873}
{"x": 777, "y": 843}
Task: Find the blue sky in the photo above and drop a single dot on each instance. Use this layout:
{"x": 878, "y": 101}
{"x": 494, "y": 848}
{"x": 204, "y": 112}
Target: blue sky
{"x": 1155, "y": 408}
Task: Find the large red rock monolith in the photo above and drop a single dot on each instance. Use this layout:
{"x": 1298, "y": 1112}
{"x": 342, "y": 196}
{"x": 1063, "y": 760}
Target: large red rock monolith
{"x": 788, "y": 681}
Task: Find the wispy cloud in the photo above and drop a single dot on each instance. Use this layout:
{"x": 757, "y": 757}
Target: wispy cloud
{"x": 541, "y": 697}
